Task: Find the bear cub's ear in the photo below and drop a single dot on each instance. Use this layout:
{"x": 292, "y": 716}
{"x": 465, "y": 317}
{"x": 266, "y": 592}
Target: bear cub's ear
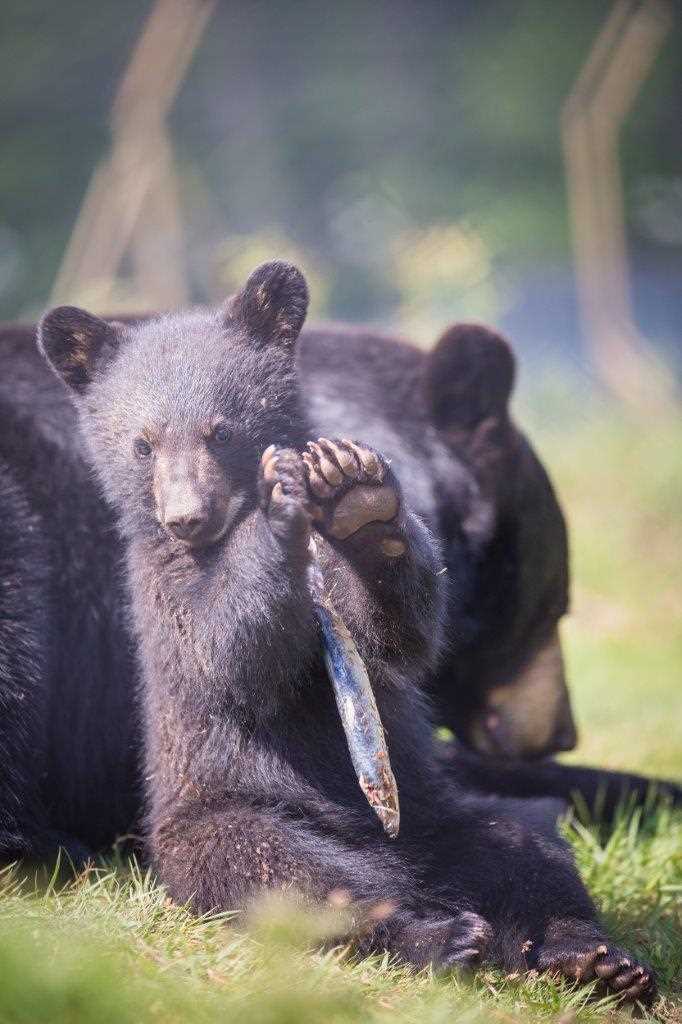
{"x": 273, "y": 304}
{"x": 470, "y": 377}
{"x": 76, "y": 344}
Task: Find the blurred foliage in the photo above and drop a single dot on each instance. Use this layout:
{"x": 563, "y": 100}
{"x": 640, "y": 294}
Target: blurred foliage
{"x": 383, "y": 141}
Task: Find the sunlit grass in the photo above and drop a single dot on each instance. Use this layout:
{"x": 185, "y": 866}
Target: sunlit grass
{"x": 620, "y": 481}
{"x": 110, "y": 946}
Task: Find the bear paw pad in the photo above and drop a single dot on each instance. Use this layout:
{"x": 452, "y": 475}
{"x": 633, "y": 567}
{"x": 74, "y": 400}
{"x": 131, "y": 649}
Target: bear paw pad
{"x": 350, "y": 485}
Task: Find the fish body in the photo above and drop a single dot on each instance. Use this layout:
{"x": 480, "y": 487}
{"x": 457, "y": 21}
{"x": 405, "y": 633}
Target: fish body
{"x": 357, "y": 709}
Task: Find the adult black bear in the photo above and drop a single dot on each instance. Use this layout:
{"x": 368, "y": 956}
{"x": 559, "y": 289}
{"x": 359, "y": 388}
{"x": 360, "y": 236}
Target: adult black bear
{"x": 68, "y": 739}
{"x": 248, "y": 776}
{"x": 442, "y": 418}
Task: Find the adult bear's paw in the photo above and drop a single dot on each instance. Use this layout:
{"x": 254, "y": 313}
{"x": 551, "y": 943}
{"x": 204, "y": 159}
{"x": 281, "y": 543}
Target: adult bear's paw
{"x": 570, "y": 953}
{"x": 283, "y": 496}
{"x": 351, "y": 485}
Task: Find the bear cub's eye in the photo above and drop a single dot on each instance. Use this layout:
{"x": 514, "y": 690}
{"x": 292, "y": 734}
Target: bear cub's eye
{"x": 221, "y": 433}
{"x": 142, "y": 448}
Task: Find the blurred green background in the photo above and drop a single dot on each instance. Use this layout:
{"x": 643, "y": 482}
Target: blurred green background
{"x": 408, "y": 152}
{"x": 408, "y": 156}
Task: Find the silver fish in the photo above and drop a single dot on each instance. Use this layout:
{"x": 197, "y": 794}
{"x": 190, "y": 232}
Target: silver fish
{"x": 357, "y": 707}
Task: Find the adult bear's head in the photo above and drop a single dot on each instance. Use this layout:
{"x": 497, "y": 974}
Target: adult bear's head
{"x": 503, "y": 689}
{"x": 176, "y": 410}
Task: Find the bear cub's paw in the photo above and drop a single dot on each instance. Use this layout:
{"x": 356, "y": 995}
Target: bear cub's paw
{"x": 350, "y": 485}
{"x": 582, "y": 959}
{"x": 445, "y": 943}
{"x": 283, "y": 496}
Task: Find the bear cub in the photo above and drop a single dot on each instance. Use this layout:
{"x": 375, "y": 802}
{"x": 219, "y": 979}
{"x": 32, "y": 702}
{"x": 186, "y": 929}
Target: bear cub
{"x": 194, "y": 425}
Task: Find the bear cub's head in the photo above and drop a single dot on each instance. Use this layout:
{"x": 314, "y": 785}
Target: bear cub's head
{"x": 177, "y": 410}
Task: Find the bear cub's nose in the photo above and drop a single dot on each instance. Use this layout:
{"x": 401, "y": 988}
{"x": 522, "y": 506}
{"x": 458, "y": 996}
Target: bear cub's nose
{"x": 187, "y": 526}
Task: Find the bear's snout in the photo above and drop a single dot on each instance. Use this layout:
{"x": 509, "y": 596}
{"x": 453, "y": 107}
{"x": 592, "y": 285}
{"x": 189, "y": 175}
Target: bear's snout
{"x": 196, "y": 522}
{"x": 186, "y": 525}
{"x": 192, "y": 504}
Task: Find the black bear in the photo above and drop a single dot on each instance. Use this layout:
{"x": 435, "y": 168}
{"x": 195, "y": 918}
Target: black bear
{"x": 69, "y": 735}
{"x": 249, "y": 784}
{"x": 69, "y": 744}
{"x": 442, "y": 418}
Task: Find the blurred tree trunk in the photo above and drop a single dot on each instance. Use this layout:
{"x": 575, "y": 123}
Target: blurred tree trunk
{"x": 132, "y": 202}
{"x": 622, "y": 55}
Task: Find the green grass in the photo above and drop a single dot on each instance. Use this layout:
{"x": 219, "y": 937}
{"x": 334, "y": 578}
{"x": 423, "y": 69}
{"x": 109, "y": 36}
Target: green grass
{"x": 621, "y": 485}
{"x": 109, "y": 946}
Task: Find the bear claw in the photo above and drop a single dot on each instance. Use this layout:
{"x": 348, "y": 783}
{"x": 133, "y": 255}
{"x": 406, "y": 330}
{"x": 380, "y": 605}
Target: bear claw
{"x": 349, "y": 480}
{"x": 284, "y": 495}
{"x": 615, "y": 971}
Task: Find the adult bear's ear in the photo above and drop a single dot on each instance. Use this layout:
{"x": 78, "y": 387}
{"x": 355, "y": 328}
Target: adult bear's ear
{"x": 273, "y": 304}
{"x": 77, "y": 344}
{"x": 470, "y": 377}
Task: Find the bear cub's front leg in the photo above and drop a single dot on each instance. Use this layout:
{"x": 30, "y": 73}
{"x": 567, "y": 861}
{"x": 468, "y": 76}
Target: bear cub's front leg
{"x": 283, "y": 497}
{"x": 381, "y": 563}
